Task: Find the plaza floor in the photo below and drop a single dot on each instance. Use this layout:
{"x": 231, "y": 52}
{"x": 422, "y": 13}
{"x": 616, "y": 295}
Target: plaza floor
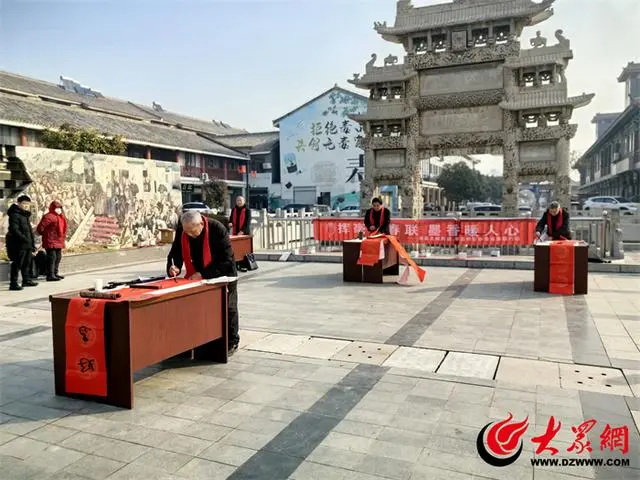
{"x": 338, "y": 381}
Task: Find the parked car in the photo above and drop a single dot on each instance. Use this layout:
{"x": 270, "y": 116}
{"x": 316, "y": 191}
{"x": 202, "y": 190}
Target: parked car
{"x": 349, "y": 211}
{"x": 486, "y": 210}
{"x": 619, "y": 203}
{"x": 198, "y": 207}
{"x": 323, "y": 210}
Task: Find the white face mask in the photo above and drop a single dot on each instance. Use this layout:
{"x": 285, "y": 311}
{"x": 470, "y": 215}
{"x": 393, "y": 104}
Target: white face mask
{"x": 58, "y": 211}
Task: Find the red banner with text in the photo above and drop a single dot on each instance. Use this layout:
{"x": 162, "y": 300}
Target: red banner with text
{"x": 436, "y": 231}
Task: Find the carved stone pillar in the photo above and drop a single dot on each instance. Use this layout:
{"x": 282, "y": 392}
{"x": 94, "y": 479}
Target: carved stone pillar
{"x": 563, "y": 180}
{"x": 510, "y": 166}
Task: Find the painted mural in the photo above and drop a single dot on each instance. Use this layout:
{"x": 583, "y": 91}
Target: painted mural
{"x": 320, "y": 146}
{"x": 109, "y": 200}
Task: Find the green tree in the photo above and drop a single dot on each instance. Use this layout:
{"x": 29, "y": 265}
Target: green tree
{"x": 215, "y": 194}
{"x": 75, "y": 139}
{"x": 460, "y": 183}
{"x": 492, "y": 188}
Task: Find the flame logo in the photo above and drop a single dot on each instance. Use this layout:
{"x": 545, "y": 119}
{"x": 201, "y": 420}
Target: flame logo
{"x": 502, "y": 444}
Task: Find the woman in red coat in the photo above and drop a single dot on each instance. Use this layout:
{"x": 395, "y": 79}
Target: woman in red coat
{"x": 53, "y": 229}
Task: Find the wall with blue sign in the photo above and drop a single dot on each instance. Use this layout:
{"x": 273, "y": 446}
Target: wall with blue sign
{"x": 321, "y": 147}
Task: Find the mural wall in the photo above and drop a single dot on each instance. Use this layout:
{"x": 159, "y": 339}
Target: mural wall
{"x": 320, "y": 146}
{"x": 113, "y": 200}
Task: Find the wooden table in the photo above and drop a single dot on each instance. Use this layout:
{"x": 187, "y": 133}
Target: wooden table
{"x": 145, "y": 330}
{"x": 541, "y": 268}
{"x": 241, "y": 244}
{"x": 352, "y": 272}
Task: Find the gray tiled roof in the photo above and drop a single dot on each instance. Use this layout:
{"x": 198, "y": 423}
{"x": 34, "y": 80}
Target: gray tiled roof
{"x": 248, "y": 140}
{"x": 392, "y": 73}
{"x": 38, "y": 87}
{"x": 384, "y": 110}
{"x": 540, "y": 56}
{"x": 46, "y": 114}
{"x": 265, "y": 147}
{"x": 462, "y": 12}
{"x": 545, "y": 97}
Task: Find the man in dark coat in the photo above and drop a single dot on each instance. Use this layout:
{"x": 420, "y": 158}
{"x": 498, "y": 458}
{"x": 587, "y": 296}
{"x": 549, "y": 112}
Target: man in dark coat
{"x": 21, "y": 244}
{"x": 378, "y": 218}
{"x": 202, "y": 245}
{"x": 556, "y": 221}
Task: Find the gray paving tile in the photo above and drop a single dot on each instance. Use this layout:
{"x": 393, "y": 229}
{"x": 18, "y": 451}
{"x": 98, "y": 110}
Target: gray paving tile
{"x": 227, "y": 454}
{"x": 94, "y": 467}
{"x": 411, "y": 331}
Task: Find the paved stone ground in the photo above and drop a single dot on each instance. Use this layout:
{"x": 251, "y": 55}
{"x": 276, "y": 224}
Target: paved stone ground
{"x": 339, "y": 381}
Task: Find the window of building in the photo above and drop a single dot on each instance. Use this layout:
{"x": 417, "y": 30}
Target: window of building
{"x": 190, "y": 159}
{"x": 529, "y": 79}
{"x": 546, "y": 77}
{"x": 439, "y": 42}
{"x": 421, "y": 44}
{"x": 480, "y": 36}
{"x": 9, "y": 135}
{"x": 502, "y": 33}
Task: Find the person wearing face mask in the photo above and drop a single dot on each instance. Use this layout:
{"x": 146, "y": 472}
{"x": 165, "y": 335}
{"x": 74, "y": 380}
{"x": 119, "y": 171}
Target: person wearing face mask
{"x": 53, "y": 229}
{"x": 20, "y": 243}
{"x": 203, "y": 246}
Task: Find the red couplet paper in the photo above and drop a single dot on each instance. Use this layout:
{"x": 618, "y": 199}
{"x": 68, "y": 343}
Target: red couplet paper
{"x": 86, "y": 366}
{"x": 562, "y": 268}
{"x": 405, "y": 255}
{"x": 86, "y": 369}
{"x": 370, "y": 251}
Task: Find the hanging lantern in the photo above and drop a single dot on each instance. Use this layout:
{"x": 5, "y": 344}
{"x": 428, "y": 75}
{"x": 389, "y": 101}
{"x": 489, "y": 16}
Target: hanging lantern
{"x": 242, "y": 169}
{"x": 254, "y": 174}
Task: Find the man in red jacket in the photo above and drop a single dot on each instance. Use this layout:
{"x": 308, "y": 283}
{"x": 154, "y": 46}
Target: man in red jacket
{"x": 53, "y": 229}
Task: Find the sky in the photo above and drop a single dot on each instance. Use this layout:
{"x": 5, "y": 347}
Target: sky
{"x": 248, "y": 62}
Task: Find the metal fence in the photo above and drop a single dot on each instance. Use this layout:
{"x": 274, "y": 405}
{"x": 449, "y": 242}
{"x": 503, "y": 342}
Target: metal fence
{"x": 438, "y": 236}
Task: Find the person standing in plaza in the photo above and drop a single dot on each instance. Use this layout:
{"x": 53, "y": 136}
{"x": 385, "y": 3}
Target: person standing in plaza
{"x": 378, "y": 218}
{"x": 240, "y": 218}
{"x": 53, "y": 229}
{"x": 203, "y": 246}
{"x": 556, "y": 221}
{"x": 20, "y": 242}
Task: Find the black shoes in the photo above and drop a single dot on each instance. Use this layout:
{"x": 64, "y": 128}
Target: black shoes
{"x": 15, "y": 287}
{"x": 232, "y": 349}
{"x": 29, "y": 283}
{"x": 53, "y": 279}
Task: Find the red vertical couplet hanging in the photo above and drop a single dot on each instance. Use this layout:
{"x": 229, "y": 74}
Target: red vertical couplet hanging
{"x": 562, "y": 267}
{"x": 371, "y": 249}
{"x": 86, "y": 368}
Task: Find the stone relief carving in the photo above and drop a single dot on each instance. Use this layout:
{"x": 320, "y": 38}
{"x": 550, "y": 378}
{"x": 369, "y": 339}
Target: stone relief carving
{"x": 461, "y": 140}
{"x": 476, "y": 55}
{"x": 547, "y": 133}
{"x": 389, "y": 142}
{"x": 390, "y": 60}
{"x": 370, "y": 64}
{"x": 562, "y": 40}
{"x": 538, "y": 41}
{"x": 460, "y": 100}
{"x": 377, "y": 25}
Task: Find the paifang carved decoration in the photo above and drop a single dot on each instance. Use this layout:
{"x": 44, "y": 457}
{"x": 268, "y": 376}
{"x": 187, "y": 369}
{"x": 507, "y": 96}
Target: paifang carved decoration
{"x": 547, "y": 133}
{"x": 460, "y": 100}
{"x": 389, "y": 142}
{"x": 486, "y": 96}
{"x": 461, "y": 140}
{"x": 476, "y": 55}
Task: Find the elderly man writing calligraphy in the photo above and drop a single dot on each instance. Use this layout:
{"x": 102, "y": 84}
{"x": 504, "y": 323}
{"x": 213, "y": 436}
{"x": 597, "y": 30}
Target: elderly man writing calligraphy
{"x": 556, "y": 221}
{"x": 202, "y": 245}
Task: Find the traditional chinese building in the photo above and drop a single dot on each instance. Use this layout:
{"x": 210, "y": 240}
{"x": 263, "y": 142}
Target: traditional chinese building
{"x": 465, "y": 87}
{"x": 321, "y": 156}
{"x": 611, "y": 166}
